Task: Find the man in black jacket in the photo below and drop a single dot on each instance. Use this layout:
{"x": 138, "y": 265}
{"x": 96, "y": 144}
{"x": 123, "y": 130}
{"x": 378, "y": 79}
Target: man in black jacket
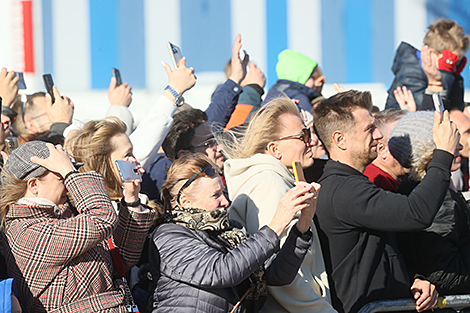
{"x": 356, "y": 218}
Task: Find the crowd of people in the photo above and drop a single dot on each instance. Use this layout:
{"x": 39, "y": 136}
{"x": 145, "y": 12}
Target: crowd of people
{"x": 214, "y": 216}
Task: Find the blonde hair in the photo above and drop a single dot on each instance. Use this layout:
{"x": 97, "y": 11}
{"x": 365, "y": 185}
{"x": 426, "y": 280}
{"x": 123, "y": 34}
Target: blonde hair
{"x": 262, "y": 128}
{"x": 93, "y": 146}
{"x": 446, "y": 34}
{"x": 180, "y": 171}
{"x": 421, "y": 157}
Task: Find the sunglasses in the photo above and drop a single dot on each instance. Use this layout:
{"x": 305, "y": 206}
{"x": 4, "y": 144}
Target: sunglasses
{"x": 209, "y": 170}
{"x": 304, "y": 136}
{"x": 207, "y": 143}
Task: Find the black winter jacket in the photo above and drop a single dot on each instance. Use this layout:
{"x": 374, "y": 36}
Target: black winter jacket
{"x": 356, "y": 219}
{"x": 408, "y": 72}
{"x": 198, "y": 274}
{"x": 441, "y": 252}
{"x": 293, "y": 90}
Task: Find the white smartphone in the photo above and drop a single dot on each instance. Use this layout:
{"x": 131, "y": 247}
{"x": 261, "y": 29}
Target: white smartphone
{"x": 438, "y": 105}
{"x": 128, "y": 171}
{"x": 175, "y": 53}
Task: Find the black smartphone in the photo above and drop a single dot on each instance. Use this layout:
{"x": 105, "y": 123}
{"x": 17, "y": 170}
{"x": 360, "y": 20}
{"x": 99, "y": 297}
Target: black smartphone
{"x": 117, "y": 75}
{"x": 21, "y": 84}
{"x": 49, "y": 83}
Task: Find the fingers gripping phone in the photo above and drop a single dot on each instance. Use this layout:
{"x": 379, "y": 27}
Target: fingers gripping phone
{"x": 49, "y": 83}
{"x": 117, "y": 75}
{"x": 175, "y": 53}
{"x": 128, "y": 171}
{"x": 298, "y": 171}
{"x": 438, "y": 104}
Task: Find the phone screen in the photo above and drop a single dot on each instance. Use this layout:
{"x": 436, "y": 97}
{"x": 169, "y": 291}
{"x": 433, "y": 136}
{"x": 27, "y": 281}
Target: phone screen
{"x": 175, "y": 53}
{"x": 21, "y": 83}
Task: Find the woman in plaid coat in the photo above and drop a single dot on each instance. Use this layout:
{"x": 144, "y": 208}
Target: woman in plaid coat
{"x": 57, "y": 252}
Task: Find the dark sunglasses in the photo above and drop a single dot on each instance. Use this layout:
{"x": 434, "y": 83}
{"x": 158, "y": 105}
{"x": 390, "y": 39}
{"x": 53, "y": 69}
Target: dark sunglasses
{"x": 305, "y": 136}
{"x": 209, "y": 170}
{"x": 207, "y": 143}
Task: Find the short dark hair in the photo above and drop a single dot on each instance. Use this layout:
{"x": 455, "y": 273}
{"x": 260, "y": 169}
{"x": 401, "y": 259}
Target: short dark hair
{"x": 335, "y": 113}
{"x": 182, "y": 131}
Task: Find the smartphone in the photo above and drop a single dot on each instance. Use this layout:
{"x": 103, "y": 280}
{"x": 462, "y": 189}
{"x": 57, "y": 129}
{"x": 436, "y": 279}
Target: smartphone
{"x": 128, "y": 171}
{"x": 298, "y": 171}
{"x": 49, "y": 83}
{"x": 117, "y": 75}
{"x": 438, "y": 105}
{"x": 21, "y": 84}
{"x": 175, "y": 53}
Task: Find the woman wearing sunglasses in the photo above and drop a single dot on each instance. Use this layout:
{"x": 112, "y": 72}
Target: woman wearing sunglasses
{"x": 204, "y": 262}
{"x": 258, "y": 173}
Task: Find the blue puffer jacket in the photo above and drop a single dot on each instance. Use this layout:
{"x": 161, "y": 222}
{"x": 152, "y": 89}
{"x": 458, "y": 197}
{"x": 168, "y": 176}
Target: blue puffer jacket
{"x": 408, "y": 72}
{"x": 195, "y": 273}
{"x": 293, "y": 90}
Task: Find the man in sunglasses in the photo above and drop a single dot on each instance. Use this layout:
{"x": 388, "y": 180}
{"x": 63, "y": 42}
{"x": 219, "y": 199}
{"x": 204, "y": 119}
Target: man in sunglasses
{"x": 356, "y": 218}
{"x": 447, "y": 41}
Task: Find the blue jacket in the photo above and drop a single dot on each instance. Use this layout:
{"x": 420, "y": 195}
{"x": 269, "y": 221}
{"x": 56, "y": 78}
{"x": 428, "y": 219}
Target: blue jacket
{"x": 408, "y": 72}
{"x": 293, "y": 90}
{"x": 6, "y": 287}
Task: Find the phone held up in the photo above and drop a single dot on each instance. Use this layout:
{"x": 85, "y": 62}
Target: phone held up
{"x": 128, "y": 171}
{"x": 21, "y": 83}
{"x": 298, "y": 171}
{"x": 175, "y": 53}
{"x": 438, "y": 104}
{"x": 49, "y": 83}
{"x": 117, "y": 75}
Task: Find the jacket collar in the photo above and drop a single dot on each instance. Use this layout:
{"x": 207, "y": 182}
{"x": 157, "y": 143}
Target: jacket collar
{"x": 339, "y": 169}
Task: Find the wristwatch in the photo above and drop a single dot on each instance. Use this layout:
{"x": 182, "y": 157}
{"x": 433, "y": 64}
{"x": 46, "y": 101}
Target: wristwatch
{"x": 179, "y": 100}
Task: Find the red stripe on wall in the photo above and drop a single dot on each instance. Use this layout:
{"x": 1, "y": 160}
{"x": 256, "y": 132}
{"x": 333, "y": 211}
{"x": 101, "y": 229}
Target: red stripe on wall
{"x": 28, "y": 36}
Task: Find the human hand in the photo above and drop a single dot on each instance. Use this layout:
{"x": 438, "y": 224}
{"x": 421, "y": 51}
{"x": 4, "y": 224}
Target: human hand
{"x": 119, "y": 95}
{"x": 306, "y": 214}
{"x": 132, "y": 188}
{"x": 8, "y": 87}
{"x": 181, "y": 79}
{"x": 254, "y": 76}
{"x": 338, "y": 88}
{"x": 295, "y": 200}
{"x": 58, "y": 160}
{"x": 238, "y": 66}
{"x": 445, "y": 134}
{"x": 430, "y": 62}
{"x": 61, "y": 111}
{"x": 405, "y": 99}
{"x": 425, "y": 295}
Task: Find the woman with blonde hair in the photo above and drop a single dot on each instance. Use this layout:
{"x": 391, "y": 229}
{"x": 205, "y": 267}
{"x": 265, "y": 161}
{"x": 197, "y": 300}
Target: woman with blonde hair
{"x": 258, "y": 173}
{"x": 205, "y": 262}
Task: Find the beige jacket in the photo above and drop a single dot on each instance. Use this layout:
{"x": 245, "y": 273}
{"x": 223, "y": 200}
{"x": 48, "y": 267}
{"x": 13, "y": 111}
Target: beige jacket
{"x": 255, "y": 186}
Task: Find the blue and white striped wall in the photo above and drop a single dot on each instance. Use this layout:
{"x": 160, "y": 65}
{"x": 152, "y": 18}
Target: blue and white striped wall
{"x": 354, "y": 41}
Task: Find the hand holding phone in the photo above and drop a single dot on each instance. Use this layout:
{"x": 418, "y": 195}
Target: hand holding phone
{"x": 128, "y": 171}
{"x": 438, "y": 105}
{"x": 175, "y": 53}
{"x": 21, "y": 83}
{"x": 117, "y": 75}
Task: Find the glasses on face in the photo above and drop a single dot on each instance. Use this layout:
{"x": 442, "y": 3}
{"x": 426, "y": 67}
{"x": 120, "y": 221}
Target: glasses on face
{"x": 304, "y": 136}
{"x": 209, "y": 170}
{"x": 207, "y": 143}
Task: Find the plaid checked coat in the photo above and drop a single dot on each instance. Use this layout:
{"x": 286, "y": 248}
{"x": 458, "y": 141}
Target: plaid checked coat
{"x": 61, "y": 261}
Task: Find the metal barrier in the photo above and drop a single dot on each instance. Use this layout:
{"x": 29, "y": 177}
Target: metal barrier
{"x": 457, "y": 302}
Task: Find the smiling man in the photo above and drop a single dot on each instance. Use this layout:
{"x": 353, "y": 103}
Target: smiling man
{"x": 356, "y": 217}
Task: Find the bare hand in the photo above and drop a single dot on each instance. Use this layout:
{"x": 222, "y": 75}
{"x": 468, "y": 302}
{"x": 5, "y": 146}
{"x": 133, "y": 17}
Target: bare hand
{"x": 132, "y": 189}
{"x": 58, "y": 160}
{"x": 425, "y": 295}
{"x": 238, "y": 66}
{"x": 430, "y": 62}
{"x": 8, "y": 87}
{"x": 254, "y": 76}
{"x": 445, "y": 134}
{"x": 182, "y": 78}
{"x": 295, "y": 200}
{"x": 338, "y": 88}
{"x": 119, "y": 95}
{"x": 405, "y": 99}
{"x": 61, "y": 111}
{"x": 306, "y": 214}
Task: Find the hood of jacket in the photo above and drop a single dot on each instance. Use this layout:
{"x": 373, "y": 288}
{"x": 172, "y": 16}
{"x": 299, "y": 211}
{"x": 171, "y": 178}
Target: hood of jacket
{"x": 239, "y": 171}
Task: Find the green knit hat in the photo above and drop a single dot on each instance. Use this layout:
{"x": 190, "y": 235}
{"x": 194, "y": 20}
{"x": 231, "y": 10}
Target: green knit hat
{"x": 294, "y": 66}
